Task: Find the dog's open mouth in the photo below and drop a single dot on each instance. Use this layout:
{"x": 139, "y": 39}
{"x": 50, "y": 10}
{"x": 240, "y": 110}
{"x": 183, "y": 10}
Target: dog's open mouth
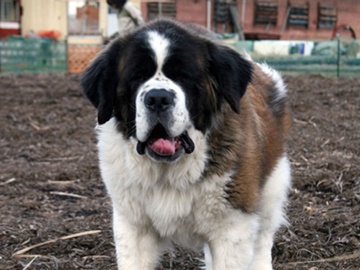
{"x": 160, "y": 144}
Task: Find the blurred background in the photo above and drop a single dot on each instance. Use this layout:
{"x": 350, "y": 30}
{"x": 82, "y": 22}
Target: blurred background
{"x": 54, "y": 211}
{"x": 295, "y": 36}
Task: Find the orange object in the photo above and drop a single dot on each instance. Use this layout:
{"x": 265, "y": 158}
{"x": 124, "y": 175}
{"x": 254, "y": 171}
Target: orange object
{"x": 53, "y": 34}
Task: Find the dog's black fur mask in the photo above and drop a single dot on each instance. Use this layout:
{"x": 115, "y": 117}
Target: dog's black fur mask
{"x": 206, "y": 72}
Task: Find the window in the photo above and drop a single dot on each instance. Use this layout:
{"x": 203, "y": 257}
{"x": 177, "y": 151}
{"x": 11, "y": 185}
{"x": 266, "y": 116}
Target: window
{"x": 9, "y": 10}
{"x": 161, "y": 9}
{"x": 83, "y": 17}
{"x": 298, "y": 14}
{"x": 266, "y": 12}
{"x": 327, "y": 17}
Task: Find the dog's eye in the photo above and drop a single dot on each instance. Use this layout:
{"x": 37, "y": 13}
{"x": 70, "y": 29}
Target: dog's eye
{"x": 176, "y": 72}
{"x": 140, "y": 72}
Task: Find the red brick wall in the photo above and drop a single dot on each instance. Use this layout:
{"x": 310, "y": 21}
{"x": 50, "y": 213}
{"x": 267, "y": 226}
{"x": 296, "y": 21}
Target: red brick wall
{"x": 193, "y": 11}
{"x": 348, "y": 13}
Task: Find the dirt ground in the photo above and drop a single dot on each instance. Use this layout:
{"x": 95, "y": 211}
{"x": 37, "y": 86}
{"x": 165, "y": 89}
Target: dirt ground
{"x": 51, "y": 193}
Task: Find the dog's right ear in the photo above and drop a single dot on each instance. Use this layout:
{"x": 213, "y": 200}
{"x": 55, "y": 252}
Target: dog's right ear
{"x": 100, "y": 80}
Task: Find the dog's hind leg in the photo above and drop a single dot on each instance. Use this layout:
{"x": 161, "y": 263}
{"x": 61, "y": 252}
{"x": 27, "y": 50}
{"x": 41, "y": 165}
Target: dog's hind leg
{"x": 272, "y": 215}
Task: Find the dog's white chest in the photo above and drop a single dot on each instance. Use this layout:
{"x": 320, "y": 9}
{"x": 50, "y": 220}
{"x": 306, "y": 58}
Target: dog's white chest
{"x": 165, "y": 195}
{"x": 169, "y": 209}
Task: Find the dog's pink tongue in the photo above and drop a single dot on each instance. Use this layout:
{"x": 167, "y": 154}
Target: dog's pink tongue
{"x": 163, "y": 147}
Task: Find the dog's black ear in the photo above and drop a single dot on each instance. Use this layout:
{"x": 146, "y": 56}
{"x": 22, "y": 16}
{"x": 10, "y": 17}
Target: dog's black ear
{"x": 100, "y": 80}
{"x": 231, "y": 73}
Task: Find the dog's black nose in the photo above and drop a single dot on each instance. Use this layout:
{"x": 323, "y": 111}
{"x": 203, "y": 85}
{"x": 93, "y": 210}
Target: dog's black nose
{"x": 159, "y": 100}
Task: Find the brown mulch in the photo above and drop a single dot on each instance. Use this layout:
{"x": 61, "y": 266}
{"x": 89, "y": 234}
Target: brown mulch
{"x": 51, "y": 192}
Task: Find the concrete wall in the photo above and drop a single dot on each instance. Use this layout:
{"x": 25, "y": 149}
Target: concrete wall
{"x": 44, "y": 15}
{"x": 53, "y": 15}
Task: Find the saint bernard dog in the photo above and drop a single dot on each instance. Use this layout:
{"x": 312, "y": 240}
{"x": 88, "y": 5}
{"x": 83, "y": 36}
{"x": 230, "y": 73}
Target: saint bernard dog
{"x": 191, "y": 144}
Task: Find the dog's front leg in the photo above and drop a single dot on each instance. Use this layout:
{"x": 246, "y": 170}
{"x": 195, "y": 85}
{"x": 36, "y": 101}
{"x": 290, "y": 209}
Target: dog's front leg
{"x": 137, "y": 246}
{"x": 231, "y": 245}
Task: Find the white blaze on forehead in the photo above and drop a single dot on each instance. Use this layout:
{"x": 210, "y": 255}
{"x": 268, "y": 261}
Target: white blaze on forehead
{"x": 178, "y": 115}
{"x": 160, "y": 46}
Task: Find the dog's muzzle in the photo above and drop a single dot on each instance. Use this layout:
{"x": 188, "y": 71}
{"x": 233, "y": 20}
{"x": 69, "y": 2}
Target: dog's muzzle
{"x": 160, "y": 144}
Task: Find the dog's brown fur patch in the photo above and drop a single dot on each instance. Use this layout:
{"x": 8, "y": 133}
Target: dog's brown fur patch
{"x": 249, "y": 143}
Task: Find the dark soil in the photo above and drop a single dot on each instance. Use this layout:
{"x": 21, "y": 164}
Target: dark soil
{"x": 50, "y": 185}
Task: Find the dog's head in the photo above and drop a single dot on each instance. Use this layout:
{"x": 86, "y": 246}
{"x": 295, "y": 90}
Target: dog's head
{"x": 163, "y": 80}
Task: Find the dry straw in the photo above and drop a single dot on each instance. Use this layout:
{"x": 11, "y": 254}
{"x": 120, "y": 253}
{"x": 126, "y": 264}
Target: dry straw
{"x": 22, "y": 251}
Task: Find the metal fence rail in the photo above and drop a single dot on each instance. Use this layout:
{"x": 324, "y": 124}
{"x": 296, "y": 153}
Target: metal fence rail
{"x": 330, "y": 58}
{"x": 335, "y": 58}
{"x": 328, "y": 66}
